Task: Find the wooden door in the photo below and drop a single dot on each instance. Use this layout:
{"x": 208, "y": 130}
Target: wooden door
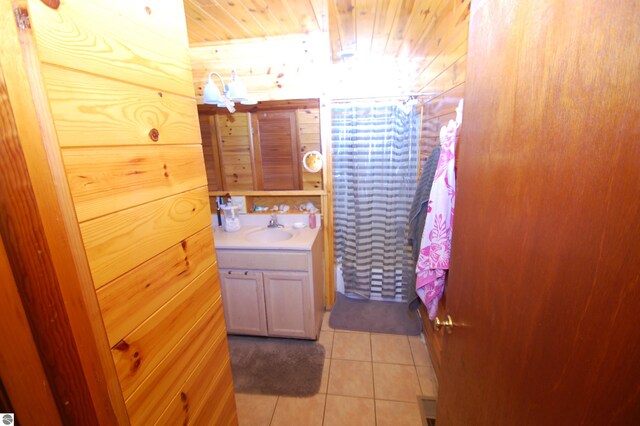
{"x": 276, "y": 148}
{"x": 243, "y": 301}
{"x": 544, "y": 282}
{"x": 289, "y": 308}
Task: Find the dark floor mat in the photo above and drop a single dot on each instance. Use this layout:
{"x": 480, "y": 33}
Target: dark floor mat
{"x": 262, "y": 365}
{"x": 374, "y": 316}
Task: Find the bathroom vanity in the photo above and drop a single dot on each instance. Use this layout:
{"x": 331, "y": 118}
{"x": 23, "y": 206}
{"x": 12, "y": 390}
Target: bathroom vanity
{"x": 272, "y": 280}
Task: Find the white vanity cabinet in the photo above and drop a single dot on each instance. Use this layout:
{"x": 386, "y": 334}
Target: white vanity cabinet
{"x": 275, "y": 293}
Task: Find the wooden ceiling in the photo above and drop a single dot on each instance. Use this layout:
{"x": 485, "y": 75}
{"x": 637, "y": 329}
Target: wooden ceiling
{"x": 286, "y": 49}
{"x": 219, "y": 20}
{"x": 364, "y": 28}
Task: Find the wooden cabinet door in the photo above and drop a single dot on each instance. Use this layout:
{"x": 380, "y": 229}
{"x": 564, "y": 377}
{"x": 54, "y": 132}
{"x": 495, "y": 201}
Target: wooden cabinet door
{"x": 243, "y": 301}
{"x": 289, "y": 308}
{"x": 276, "y": 146}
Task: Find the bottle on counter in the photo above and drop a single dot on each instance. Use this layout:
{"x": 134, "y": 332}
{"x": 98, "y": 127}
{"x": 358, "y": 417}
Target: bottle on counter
{"x": 312, "y": 220}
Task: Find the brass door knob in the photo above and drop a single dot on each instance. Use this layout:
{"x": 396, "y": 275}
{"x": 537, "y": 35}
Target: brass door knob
{"x": 447, "y": 324}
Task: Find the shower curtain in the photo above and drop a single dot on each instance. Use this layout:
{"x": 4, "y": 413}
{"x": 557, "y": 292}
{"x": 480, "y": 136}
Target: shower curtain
{"x": 374, "y": 151}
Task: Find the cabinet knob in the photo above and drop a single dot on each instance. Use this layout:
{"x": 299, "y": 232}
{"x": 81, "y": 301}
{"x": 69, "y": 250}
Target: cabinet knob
{"x": 246, "y": 272}
{"x": 154, "y": 134}
{"x": 229, "y": 272}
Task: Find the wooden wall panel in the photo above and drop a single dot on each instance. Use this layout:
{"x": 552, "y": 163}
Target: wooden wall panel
{"x": 191, "y": 405}
{"x": 272, "y": 68}
{"x": 140, "y": 202}
{"x": 308, "y": 121}
{"x": 105, "y": 180}
{"x": 131, "y": 298}
{"x": 144, "y": 348}
{"x": 441, "y": 81}
{"x": 43, "y": 243}
{"x": 124, "y": 113}
{"x": 437, "y": 111}
{"x": 141, "y": 49}
{"x": 119, "y": 242}
{"x": 173, "y": 373}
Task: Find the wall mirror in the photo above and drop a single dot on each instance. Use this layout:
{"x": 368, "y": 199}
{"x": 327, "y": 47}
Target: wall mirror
{"x": 312, "y": 161}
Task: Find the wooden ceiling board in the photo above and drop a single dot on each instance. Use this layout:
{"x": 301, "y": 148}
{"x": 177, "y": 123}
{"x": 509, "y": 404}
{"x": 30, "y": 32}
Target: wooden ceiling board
{"x": 241, "y": 19}
{"x": 346, "y": 19}
{"x": 273, "y": 44}
{"x": 321, "y": 11}
{"x": 404, "y": 10}
{"x": 202, "y": 27}
{"x": 420, "y": 22}
{"x": 365, "y": 15}
{"x": 435, "y": 13}
{"x": 215, "y": 19}
{"x": 258, "y": 21}
{"x": 304, "y": 15}
{"x": 334, "y": 30}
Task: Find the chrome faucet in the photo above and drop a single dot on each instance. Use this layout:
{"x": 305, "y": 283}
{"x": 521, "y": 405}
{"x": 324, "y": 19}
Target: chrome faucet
{"x": 273, "y": 223}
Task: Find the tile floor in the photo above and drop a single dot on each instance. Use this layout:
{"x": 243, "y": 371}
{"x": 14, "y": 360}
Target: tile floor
{"x": 368, "y": 379}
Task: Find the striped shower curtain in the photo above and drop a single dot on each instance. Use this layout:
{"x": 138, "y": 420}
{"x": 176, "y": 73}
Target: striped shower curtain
{"x": 374, "y": 151}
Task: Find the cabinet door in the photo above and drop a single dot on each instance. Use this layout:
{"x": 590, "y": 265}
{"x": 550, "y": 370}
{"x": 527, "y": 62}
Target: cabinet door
{"x": 289, "y": 307}
{"x": 276, "y": 147}
{"x": 243, "y": 302}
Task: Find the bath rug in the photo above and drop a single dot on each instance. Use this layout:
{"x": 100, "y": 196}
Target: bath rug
{"x": 270, "y": 366}
{"x": 374, "y": 316}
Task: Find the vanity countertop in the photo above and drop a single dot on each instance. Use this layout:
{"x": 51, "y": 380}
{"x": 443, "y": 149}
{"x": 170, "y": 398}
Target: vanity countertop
{"x": 302, "y": 239}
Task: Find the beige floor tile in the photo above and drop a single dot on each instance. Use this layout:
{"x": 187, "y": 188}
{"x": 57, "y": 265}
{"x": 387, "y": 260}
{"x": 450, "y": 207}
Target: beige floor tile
{"x": 255, "y": 410}
{"x": 396, "y": 413}
{"x": 348, "y": 411}
{"x": 299, "y": 411}
{"x": 324, "y": 383}
{"x": 325, "y": 321}
{"x": 396, "y": 382}
{"x": 391, "y": 349}
{"x": 352, "y": 346}
{"x": 420, "y": 353}
{"x": 326, "y": 340}
{"x": 428, "y": 382}
{"x": 350, "y": 378}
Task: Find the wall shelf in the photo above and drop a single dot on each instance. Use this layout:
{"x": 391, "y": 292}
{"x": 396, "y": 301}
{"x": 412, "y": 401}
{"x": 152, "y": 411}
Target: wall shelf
{"x": 268, "y": 193}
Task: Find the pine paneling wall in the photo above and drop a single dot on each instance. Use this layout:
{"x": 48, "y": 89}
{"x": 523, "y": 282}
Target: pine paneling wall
{"x": 122, "y": 103}
{"x": 442, "y": 80}
{"x": 308, "y": 121}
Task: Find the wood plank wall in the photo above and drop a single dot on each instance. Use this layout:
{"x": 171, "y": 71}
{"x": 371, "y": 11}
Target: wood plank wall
{"x": 272, "y": 68}
{"x": 126, "y": 124}
{"x": 441, "y": 82}
{"x": 308, "y": 121}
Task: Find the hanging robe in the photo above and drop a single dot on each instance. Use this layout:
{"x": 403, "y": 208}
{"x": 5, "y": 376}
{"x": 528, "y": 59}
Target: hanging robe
{"x": 435, "y": 246}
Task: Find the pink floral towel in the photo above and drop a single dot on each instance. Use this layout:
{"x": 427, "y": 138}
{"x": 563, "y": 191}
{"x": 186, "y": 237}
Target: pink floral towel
{"x": 435, "y": 247}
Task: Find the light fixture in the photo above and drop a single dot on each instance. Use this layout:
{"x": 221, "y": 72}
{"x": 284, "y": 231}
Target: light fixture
{"x": 235, "y": 91}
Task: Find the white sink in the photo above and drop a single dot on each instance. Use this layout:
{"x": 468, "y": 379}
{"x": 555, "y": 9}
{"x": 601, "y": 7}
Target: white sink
{"x": 269, "y": 235}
